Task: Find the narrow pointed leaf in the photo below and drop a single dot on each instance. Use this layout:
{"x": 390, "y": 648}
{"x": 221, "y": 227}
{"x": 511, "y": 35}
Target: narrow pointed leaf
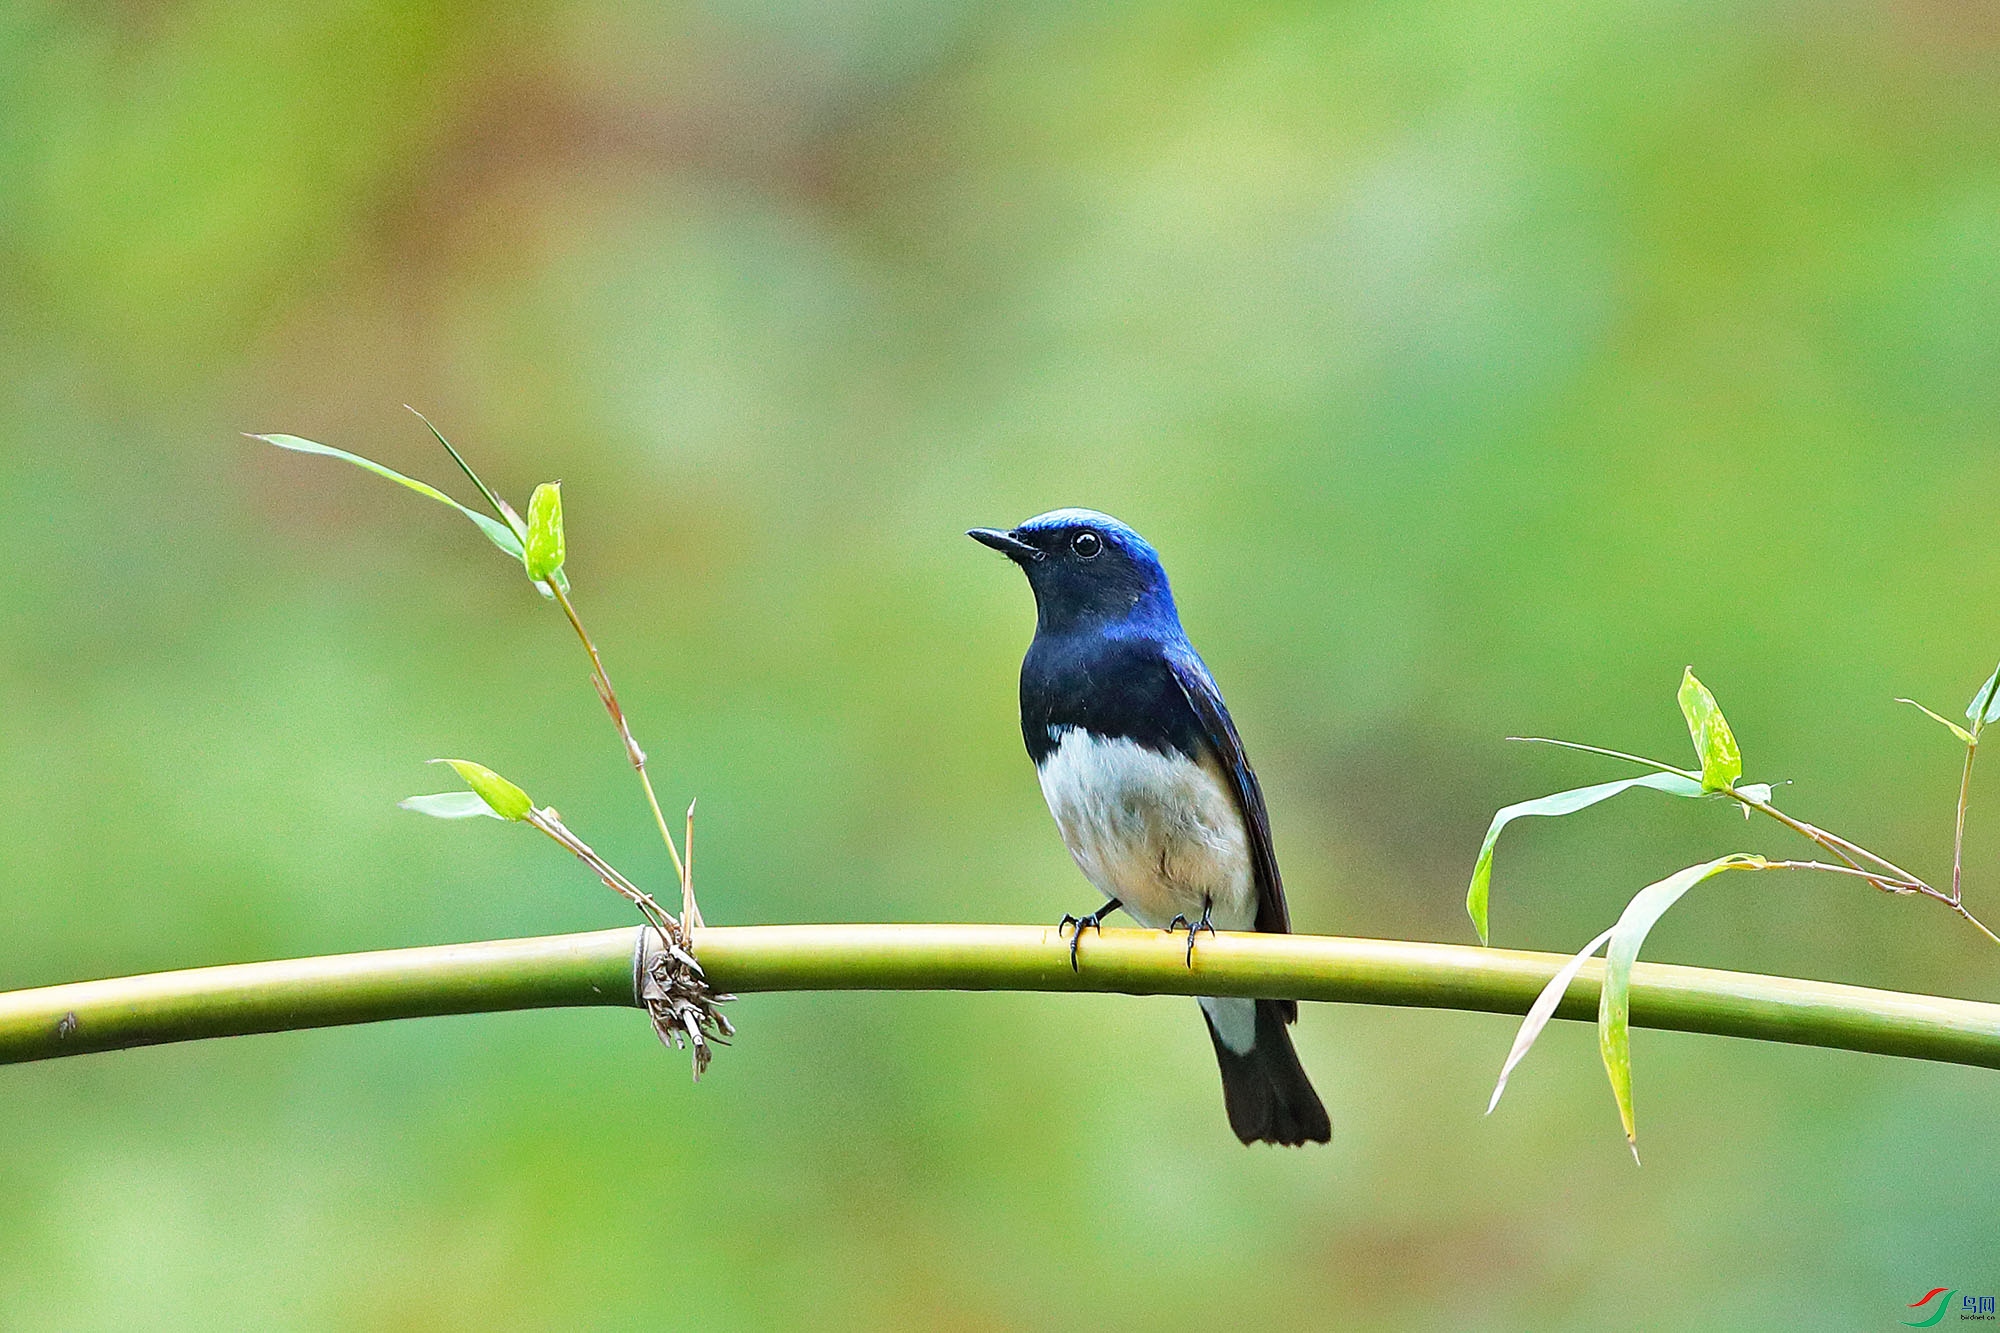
{"x": 502, "y": 535}
{"x": 1561, "y": 803}
{"x": 496, "y": 531}
{"x": 545, "y": 549}
{"x": 1614, "y": 1005}
{"x": 1653, "y": 764}
{"x": 1985, "y": 705}
{"x": 1945, "y": 722}
{"x": 506, "y": 800}
{"x": 1539, "y": 1014}
{"x": 498, "y": 506}
{"x": 450, "y": 805}
{"x": 1721, "y": 762}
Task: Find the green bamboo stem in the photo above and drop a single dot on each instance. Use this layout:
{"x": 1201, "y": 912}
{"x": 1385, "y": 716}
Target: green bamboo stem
{"x": 597, "y": 968}
{"x": 294, "y": 993}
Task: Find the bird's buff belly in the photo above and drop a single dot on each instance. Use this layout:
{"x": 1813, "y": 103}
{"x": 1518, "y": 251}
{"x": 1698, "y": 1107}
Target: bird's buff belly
{"x": 1160, "y": 832}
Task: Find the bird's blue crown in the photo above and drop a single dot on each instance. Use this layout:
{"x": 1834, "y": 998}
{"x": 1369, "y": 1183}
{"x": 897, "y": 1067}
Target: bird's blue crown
{"x": 1090, "y": 571}
{"x": 1122, "y": 535}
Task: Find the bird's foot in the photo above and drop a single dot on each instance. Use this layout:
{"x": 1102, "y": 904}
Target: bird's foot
{"x": 1193, "y": 928}
{"x": 1076, "y": 925}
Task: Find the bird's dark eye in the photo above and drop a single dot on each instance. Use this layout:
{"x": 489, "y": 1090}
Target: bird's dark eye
{"x": 1086, "y": 544}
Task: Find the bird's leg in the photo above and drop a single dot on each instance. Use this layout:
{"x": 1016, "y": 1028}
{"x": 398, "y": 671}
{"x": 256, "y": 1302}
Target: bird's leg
{"x": 1194, "y": 928}
{"x": 1095, "y": 921}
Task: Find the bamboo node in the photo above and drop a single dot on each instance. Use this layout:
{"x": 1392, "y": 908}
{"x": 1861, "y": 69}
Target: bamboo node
{"x": 686, "y": 1013}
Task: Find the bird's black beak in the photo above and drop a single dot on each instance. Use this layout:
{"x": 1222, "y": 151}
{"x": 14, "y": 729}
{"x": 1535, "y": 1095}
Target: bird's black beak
{"x": 1006, "y": 543}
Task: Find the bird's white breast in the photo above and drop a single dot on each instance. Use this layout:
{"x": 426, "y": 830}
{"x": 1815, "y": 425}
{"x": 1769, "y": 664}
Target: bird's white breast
{"x": 1160, "y": 832}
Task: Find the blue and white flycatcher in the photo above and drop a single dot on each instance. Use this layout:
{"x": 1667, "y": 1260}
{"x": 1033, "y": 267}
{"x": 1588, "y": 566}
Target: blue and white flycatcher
{"x": 1147, "y": 779}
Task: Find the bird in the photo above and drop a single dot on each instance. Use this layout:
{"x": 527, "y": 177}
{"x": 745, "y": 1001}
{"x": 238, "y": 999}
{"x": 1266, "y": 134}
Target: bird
{"x": 1146, "y": 776}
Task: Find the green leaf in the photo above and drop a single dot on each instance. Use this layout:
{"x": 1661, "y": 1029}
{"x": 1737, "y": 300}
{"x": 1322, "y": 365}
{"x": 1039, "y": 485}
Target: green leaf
{"x": 450, "y": 805}
{"x": 499, "y": 505}
{"x": 1614, "y": 1004}
{"x": 1653, "y": 764}
{"x": 1985, "y": 705}
{"x": 1756, "y": 791}
{"x": 1539, "y": 1014}
{"x": 1721, "y": 762}
{"x": 545, "y": 552}
{"x": 1562, "y": 803}
{"x": 1953, "y": 727}
{"x": 505, "y": 799}
{"x": 496, "y": 531}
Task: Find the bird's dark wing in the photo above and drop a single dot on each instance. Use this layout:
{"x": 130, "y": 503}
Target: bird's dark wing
{"x": 1220, "y": 733}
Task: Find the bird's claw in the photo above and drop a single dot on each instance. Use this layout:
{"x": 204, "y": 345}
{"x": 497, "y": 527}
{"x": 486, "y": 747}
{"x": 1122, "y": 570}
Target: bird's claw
{"x": 1075, "y": 925}
{"x": 1193, "y": 928}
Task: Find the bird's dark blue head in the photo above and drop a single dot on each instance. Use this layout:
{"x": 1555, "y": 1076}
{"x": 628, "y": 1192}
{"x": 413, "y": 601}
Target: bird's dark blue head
{"x": 1089, "y": 571}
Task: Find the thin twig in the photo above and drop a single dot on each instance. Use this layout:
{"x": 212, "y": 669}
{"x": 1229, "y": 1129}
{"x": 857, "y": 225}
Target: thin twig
{"x": 1960, "y": 909}
{"x": 1890, "y": 885}
{"x": 690, "y": 912}
{"x": 1839, "y": 846}
{"x": 1958, "y": 833}
{"x": 550, "y": 823}
{"x": 637, "y": 756}
{"x": 1896, "y": 880}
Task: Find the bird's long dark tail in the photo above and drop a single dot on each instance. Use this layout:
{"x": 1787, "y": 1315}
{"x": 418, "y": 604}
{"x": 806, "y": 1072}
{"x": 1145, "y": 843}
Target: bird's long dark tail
{"x": 1270, "y": 1100}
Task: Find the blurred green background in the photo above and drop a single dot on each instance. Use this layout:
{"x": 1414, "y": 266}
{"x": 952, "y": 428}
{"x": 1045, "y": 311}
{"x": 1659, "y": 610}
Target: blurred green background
{"x": 1474, "y": 366}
